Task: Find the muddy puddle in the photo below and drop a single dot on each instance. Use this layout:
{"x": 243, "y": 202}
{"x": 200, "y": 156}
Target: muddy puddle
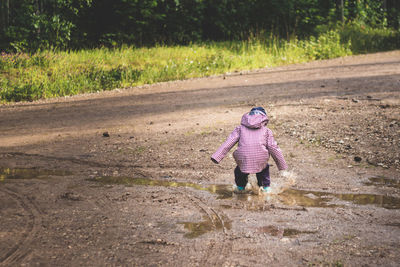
{"x": 383, "y": 181}
{"x": 209, "y": 224}
{"x": 195, "y": 229}
{"x": 282, "y": 232}
{"x": 324, "y": 199}
{"x": 26, "y": 173}
{"x": 290, "y": 197}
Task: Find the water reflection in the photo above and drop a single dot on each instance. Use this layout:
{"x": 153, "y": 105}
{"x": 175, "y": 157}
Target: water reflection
{"x": 212, "y": 223}
{"x": 26, "y": 173}
{"x": 273, "y": 230}
{"x": 290, "y": 197}
{"x": 323, "y": 199}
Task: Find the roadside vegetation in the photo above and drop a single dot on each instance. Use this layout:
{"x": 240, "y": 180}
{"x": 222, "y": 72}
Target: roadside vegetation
{"x": 46, "y": 74}
{"x": 56, "y": 53}
{"x": 50, "y": 74}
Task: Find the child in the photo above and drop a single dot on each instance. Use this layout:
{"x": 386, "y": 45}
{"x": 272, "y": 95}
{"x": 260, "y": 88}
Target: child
{"x": 256, "y": 144}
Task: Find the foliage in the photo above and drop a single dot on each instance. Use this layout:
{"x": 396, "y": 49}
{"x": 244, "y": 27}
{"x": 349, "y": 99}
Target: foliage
{"x": 327, "y": 45}
{"x": 365, "y": 39}
{"x": 29, "y": 25}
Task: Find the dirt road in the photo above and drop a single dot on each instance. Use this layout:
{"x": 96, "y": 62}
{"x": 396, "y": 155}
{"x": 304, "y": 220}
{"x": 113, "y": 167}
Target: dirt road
{"x": 125, "y": 177}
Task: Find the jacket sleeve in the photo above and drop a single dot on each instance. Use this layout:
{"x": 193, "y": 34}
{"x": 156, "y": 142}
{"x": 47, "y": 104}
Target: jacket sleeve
{"x": 275, "y": 152}
{"x": 232, "y": 139}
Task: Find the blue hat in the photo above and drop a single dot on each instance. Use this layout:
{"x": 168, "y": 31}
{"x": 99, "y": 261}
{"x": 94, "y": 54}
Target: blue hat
{"x": 258, "y": 110}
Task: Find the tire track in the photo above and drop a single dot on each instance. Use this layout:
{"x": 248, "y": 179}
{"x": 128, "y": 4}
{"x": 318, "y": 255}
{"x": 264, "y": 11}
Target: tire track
{"x": 219, "y": 248}
{"x": 23, "y": 248}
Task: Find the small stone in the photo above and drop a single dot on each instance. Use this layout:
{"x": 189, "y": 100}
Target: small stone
{"x": 312, "y": 196}
{"x": 383, "y": 165}
{"x": 354, "y": 100}
{"x": 71, "y": 196}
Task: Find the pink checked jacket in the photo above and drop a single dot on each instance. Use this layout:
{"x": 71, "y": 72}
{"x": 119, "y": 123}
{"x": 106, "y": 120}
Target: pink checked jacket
{"x": 255, "y": 145}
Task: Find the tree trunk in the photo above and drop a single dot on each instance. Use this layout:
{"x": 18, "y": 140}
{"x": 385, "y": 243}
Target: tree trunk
{"x": 37, "y": 7}
{"x": 2, "y": 20}
{"x": 342, "y": 9}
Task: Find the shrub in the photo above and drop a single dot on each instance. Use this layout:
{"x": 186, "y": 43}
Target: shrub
{"x": 365, "y": 39}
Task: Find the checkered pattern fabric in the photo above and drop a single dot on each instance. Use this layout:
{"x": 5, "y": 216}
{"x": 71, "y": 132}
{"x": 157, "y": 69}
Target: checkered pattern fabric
{"x": 256, "y": 144}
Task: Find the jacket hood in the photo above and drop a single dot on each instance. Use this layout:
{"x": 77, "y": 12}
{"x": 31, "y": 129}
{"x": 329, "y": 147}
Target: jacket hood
{"x": 254, "y": 121}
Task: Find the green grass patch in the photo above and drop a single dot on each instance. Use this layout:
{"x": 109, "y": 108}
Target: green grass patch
{"x": 47, "y": 74}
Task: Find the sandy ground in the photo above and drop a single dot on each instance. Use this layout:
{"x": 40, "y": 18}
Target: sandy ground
{"x": 125, "y": 177}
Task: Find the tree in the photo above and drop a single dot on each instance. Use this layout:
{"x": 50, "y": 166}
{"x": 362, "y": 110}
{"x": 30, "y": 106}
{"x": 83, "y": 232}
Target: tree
{"x": 33, "y": 24}
{"x": 64, "y": 24}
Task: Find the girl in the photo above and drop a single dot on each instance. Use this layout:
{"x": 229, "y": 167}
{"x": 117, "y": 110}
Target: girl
{"x": 256, "y": 145}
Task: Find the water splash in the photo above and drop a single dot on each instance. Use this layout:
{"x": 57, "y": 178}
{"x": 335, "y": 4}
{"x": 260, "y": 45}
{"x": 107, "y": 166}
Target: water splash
{"x": 285, "y": 180}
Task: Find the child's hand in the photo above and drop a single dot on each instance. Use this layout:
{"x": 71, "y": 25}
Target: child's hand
{"x": 213, "y": 160}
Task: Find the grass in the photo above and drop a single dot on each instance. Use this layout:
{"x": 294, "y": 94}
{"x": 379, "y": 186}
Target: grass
{"x": 47, "y": 74}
